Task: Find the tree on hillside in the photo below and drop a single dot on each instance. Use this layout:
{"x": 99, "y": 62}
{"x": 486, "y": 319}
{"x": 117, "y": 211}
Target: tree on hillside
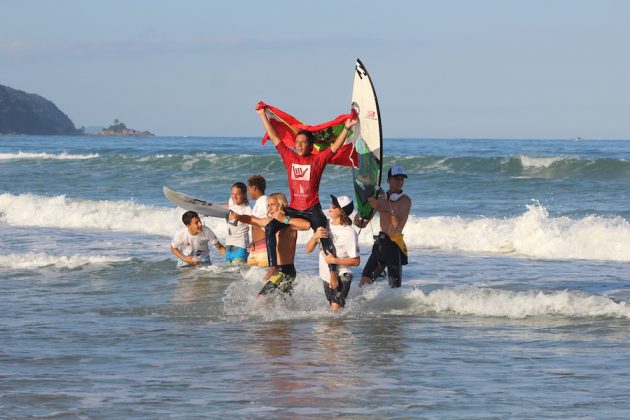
{"x": 117, "y": 126}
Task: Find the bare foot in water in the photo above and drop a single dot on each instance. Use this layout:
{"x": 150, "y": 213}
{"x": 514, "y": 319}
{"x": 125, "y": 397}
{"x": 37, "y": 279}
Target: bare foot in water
{"x": 365, "y": 281}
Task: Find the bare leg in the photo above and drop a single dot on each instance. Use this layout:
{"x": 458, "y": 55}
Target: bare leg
{"x": 334, "y": 279}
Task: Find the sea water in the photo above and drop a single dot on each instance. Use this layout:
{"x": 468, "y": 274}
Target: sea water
{"x": 514, "y": 303}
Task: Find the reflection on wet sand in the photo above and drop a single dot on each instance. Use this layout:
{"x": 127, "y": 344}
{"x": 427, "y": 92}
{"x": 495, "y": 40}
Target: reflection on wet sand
{"x": 194, "y": 289}
{"x": 201, "y": 283}
{"x": 195, "y": 296}
{"x": 282, "y": 366}
{"x": 324, "y": 363}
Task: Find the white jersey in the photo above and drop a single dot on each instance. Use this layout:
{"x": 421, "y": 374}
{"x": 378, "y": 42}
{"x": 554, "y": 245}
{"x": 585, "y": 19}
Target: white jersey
{"x": 260, "y": 209}
{"x": 346, "y": 245}
{"x": 194, "y": 245}
{"x": 238, "y": 234}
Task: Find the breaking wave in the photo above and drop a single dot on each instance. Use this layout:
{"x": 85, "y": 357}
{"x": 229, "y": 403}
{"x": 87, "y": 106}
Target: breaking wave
{"x": 533, "y": 234}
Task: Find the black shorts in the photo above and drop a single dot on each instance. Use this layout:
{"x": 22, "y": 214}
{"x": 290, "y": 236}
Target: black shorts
{"x": 315, "y": 216}
{"x": 339, "y": 294}
{"x": 282, "y": 280}
{"x": 385, "y": 253}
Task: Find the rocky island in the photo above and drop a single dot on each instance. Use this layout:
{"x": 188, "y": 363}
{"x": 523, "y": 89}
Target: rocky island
{"x": 120, "y": 129}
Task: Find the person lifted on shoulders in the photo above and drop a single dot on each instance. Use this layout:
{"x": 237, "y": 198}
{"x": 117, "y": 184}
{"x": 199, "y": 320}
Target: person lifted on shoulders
{"x": 304, "y": 170}
{"x": 389, "y": 248}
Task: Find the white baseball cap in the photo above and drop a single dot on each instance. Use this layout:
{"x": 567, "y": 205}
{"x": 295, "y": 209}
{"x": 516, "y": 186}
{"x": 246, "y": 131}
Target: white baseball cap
{"x": 344, "y": 203}
{"x": 396, "y": 170}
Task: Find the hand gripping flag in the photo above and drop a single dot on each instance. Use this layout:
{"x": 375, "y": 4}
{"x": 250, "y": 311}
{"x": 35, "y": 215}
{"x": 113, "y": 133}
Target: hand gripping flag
{"x": 287, "y": 126}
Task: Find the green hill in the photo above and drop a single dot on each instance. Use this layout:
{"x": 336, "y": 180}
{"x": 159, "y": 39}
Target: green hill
{"x": 27, "y": 113}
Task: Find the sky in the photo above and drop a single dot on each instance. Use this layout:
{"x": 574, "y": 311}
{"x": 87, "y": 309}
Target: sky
{"x": 548, "y": 69}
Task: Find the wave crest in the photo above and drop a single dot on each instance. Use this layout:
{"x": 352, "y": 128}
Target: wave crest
{"x": 33, "y": 260}
{"x": 492, "y": 303}
{"x": 519, "y": 166}
{"x": 534, "y": 234}
{"x": 42, "y": 155}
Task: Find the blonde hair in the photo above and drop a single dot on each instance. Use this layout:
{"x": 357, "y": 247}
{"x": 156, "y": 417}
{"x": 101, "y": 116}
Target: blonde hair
{"x": 282, "y": 199}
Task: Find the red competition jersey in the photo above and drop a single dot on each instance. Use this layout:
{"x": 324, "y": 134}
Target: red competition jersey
{"x": 304, "y": 173}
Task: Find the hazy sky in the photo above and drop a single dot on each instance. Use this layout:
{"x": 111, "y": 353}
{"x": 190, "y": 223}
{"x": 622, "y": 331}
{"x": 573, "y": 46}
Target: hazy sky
{"x": 442, "y": 69}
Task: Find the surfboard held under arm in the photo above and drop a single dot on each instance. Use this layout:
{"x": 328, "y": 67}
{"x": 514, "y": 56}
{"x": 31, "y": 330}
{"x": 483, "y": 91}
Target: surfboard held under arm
{"x": 202, "y": 207}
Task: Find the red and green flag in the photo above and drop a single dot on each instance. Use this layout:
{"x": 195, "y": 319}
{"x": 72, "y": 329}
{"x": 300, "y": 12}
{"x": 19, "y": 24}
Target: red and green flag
{"x": 287, "y": 126}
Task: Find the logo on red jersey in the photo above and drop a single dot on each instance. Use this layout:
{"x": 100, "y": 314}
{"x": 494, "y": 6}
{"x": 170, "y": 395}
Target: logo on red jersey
{"x": 301, "y": 172}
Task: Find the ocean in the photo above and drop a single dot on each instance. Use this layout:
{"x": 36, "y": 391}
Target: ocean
{"x": 514, "y": 303}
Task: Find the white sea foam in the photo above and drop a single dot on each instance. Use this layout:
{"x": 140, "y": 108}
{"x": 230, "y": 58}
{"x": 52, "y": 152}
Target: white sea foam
{"x": 39, "y": 259}
{"x": 117, "y": 216}
{"x": 58, "y": 156}
{"x": 157, "y": 156}
{"x": 241, "y": 301}
{"x": 540, "y": 162}
{"x": 307, "y": 302}
{"x": 68, "y": 213}
{"x": 440, "y": 164}
{"x": 488, "y": 303}
{"x": 533, "y": 234}
{"x": 191, "y": 160}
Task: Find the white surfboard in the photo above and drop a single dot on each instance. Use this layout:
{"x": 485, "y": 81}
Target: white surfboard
{"x": 368, "y": 142}
{"x": 202, "y": 207}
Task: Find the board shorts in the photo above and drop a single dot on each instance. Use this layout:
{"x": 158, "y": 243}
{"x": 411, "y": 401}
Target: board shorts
{"x": 339, "y": 294}
{"x": 235, "y": 254}
{"x": 258, "y": 254}
{"x": 282, "y": 280}
{"x": 385, "y": 253}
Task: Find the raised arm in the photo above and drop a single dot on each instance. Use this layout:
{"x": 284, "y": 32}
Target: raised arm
{"x": 360, "y": 221}
{"x": 271, "y": 132}
{"x": 343, "y": 135}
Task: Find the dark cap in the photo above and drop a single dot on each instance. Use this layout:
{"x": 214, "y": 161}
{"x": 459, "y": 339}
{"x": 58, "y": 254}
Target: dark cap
{"x": 344, "y": 203}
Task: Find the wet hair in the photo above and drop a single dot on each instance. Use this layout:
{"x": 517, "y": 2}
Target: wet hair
{"x": 282, "y": 199}
{"x": 257, "y": 181}
{"x": 243, "y": 189}
{"x": 188, "y": 217}
{"x": 310, "y": 137}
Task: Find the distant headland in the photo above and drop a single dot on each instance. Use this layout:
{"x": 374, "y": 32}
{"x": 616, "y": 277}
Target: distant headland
{"x": 27, "y": 113}
{"x": 32, "y": 114}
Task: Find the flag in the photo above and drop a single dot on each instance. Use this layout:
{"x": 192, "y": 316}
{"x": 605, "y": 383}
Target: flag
{"x": 287, "y": 126}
